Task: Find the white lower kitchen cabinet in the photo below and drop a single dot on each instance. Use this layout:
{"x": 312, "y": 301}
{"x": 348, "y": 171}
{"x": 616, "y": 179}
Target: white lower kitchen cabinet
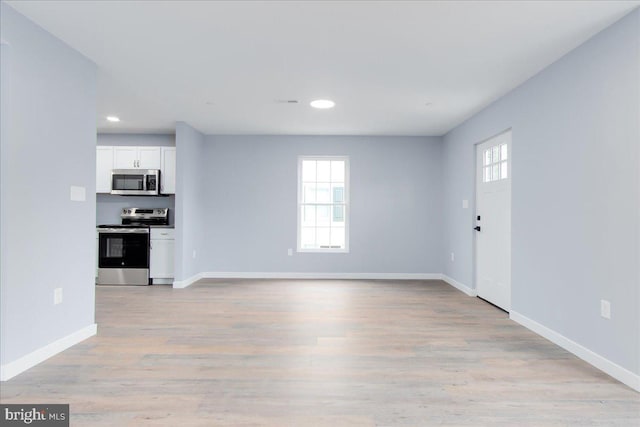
{"x": 162, "y": 253}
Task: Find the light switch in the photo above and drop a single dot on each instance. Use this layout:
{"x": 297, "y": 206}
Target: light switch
{"x": 78, "y": 194}
{"x": 57, "y": 296}
{"x": 465, "y": 204}
{"x": 605, "y": 309}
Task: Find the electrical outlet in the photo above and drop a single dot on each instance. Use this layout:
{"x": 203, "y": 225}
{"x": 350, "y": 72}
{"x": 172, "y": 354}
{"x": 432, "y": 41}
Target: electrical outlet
{"x": 453, "y": 257}
{"x": 290, "y": 252}
{"x": 605, "y": 309}
{"x": 57, "y": 296}
{"x": 194, "y": 254}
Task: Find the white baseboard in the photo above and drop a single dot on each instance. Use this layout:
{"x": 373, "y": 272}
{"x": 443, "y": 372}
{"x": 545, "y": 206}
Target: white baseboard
{"x": 616, "y": 371}
{"x": 339, "y": 276}
{"x": 11, "y": 369}
{"x": 293, "y": 275}
{"x": 181, "y": 284}
{"x": 459, "y": 286}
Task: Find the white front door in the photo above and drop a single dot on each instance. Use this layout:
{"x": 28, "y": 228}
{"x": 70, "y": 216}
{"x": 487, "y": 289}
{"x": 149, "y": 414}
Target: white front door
{"x": 493, "y": 220}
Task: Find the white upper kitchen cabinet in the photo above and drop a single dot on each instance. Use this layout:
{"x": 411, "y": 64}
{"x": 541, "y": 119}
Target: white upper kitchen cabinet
{"x": 104, "y": 165}
{"x": 136, "y": 157}
{"x": 125, "y": 157}
{"x": 168, "y": 170}
{"x": 149, "y": 158}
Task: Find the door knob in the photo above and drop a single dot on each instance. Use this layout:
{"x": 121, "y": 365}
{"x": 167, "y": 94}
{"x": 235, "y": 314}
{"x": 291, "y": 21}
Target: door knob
{"x": 477, "y": 228}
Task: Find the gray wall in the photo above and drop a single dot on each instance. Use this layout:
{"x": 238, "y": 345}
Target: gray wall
{"x": 250, "y": 199}
{"x": 48, "y": 144}
{"x": 190, "y": 213}
{"x": 137, "y": 139}
{"x": 576, "y": 193}
{"x": 108, "y": 207}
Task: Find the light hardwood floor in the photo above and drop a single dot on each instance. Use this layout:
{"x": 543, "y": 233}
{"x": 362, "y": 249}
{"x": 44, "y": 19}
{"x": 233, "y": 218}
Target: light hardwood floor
{"x": 318, "y": 353}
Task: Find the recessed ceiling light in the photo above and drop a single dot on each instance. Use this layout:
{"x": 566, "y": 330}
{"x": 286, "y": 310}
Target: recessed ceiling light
{"x": 322, "y": 103}
{"x": 113, "y": 119}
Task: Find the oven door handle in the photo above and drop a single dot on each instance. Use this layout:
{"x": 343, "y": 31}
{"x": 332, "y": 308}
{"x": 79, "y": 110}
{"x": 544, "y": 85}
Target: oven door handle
{"x": 124, "y": 230}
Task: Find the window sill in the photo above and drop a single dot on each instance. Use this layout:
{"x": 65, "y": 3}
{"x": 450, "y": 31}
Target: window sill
{"x": 323, "y": 251}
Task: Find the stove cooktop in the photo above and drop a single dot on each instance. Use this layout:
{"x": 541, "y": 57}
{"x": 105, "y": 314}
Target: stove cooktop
{"x": 123, "y": 226}
{"x": 141, "y": 218}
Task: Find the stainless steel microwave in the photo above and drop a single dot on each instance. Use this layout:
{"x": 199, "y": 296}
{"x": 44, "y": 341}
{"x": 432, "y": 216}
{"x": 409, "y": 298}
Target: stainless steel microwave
{"x": 135, "y": 182}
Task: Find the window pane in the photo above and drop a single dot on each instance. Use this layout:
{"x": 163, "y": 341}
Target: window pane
{"x": 503, "y": 174}
{"x": 323, "y": 215}
{"x": 487, "y": 157}
{"x": 324, "y": 170}
{"x": 337, "y": 237}
{"x": 323, "y": 237}
{"x": 323, "y": 195}
{"x": 486, "y": 175}
{"x": 309, "y": 193}
{"x": 337, "y": 171}
{"x": 308, "y": 216}
{"x": 308, "y": 238}
{"x": 338, "y": 193}
{"x": 338, "y": 213}
{"x": 495, "y": 154}
{"x": 308, "y": 170}
{"x": 495, "y": 172}
{"x": 503, "y": 152}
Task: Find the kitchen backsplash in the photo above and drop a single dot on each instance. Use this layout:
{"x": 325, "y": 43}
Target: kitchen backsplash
{"x": 109, "y": 207}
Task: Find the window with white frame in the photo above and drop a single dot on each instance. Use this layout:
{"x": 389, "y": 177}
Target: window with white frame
{"x": 495, "y": 163}
{"x": 323, "y": 204}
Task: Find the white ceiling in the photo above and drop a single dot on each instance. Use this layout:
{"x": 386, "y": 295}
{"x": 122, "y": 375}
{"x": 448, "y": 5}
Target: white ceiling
{"x": 222, "y": 66}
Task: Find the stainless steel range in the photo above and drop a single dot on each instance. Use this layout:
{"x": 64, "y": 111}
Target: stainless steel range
{"x": 123, "y": 249}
